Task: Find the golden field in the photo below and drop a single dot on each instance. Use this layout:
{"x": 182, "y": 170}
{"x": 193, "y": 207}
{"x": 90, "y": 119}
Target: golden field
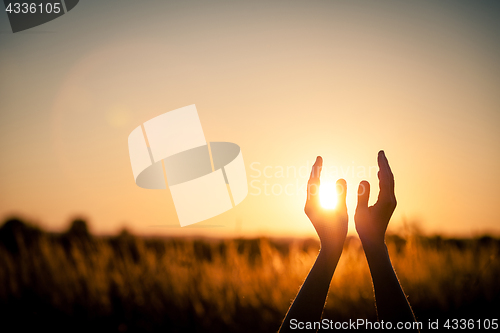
{"x": 74, "y": 281}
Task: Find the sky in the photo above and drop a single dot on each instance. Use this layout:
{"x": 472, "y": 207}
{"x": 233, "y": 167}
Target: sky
{"x": 285, "y": 80}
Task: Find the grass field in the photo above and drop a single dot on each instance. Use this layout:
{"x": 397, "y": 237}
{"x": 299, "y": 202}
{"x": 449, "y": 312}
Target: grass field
{"x": 78, "y": 282}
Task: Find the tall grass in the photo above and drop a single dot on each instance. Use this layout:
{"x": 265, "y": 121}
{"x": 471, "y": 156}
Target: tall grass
{"x": 78, "y": 282}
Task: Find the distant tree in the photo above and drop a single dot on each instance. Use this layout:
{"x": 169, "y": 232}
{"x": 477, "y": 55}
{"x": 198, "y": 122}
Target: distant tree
{"x": 79, "y": 229}
{"x": 16, "y": 234}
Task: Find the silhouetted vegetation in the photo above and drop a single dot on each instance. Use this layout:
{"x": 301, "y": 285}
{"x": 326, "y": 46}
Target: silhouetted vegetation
{"x": 75, "y": 281}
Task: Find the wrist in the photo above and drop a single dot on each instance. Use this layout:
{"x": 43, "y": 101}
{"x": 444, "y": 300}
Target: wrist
{"x": 331, "y": 250}
{"x": 373, "y": 244}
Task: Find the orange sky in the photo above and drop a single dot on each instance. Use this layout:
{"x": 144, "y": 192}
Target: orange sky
{"x": 286, "y": 81}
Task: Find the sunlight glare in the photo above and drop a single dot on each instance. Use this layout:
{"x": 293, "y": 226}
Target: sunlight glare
{"x": 328, "y": 195}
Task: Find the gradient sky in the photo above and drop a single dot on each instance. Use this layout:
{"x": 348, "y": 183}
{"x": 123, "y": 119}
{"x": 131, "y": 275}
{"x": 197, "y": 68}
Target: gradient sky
{"x": 286, "y": 80}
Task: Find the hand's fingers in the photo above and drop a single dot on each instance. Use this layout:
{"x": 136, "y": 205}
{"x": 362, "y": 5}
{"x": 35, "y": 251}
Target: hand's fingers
{"x": 341, "y": 193}
{"x": 385, "y": 176}
{"x": 363, "y": 195}
{"x": 316, "y": 170}
{"x": 313, "y": 183}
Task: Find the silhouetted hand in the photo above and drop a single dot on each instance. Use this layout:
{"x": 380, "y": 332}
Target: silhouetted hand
{"x": 330, "y": 224}
{"x": 371, "y": 222}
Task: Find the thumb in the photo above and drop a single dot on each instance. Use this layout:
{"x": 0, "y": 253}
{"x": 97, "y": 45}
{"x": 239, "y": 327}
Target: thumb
{"x": 341, "y": 193}
{"x": 363, "y": 195}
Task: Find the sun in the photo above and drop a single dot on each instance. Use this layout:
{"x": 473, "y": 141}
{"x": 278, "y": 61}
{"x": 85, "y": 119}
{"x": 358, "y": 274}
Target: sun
{"x": 328, "y": 195}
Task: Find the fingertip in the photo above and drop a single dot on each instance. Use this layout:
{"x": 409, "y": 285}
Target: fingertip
{"x": 342, "y": 182}
{"x": 383, "y": 164}
{"x": 341, "y": 187}
{"x": 380, "y": 156}
{"x": 316, "y": 168}
{"x": 363, "y": 187}
{"x": 363, "y": 194}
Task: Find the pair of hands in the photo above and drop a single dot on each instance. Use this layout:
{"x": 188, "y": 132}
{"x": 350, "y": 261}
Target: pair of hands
{"x": 331, "y": 226}
{"x": 371, "y": 222}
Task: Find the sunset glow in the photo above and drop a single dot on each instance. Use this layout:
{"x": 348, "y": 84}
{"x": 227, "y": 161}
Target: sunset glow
{"x": 328, "y": 195}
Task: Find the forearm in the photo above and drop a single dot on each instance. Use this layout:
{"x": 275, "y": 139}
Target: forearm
{"x": 309, "y": 303}
{"x": 390, "y": 299}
